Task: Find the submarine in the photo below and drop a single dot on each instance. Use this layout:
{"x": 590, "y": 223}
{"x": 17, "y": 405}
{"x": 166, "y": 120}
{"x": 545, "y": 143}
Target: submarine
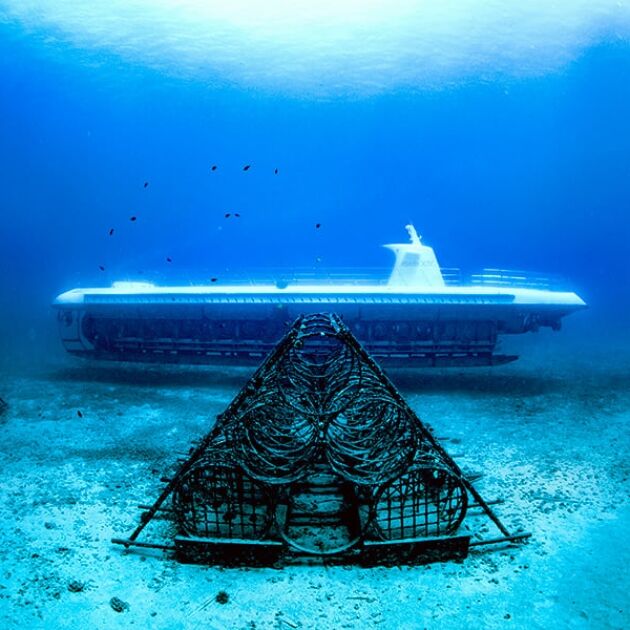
{"x": 421, "y": 315}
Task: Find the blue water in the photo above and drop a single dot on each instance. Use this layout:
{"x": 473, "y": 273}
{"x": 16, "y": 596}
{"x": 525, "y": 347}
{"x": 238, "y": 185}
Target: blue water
{"x": 499, "y": 128}
{"x": 516, "y": 164}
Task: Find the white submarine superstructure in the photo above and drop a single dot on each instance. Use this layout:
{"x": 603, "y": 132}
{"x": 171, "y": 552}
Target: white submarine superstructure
{"x": 418, "y": 317}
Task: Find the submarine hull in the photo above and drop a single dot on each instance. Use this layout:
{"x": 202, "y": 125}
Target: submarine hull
{"x": 396, "y": 330}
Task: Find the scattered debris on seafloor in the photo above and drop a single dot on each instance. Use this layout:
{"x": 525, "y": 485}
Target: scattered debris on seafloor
{"x": 118, "y": 605}
{"x": 222, "y": 597}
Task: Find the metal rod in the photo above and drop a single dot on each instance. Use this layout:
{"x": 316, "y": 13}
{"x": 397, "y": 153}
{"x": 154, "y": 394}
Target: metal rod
{"x": 472, "y": 506}
{"x": 148, "y": 507}
{"x": 127, "y": 542}
{"x": 495, "y": 541}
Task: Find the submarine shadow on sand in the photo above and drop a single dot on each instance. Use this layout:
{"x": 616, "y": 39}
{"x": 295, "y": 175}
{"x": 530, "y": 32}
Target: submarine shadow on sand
{"x": 486, "y": 383}
{"x": 155, "y": 376}
{"x": 420, "y": 380}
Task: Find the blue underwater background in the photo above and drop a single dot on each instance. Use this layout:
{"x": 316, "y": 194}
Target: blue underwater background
{"x": 500, "y": 129}
{"x": 494, "y": 168}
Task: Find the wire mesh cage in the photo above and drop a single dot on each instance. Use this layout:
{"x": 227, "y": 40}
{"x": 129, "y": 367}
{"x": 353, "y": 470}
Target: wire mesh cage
{"x": 319, "y": 454}
{"x": 218, "y": 500}
{"x": 423, "y": 502}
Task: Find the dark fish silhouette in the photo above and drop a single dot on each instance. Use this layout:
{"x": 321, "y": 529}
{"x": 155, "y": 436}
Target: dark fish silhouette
{"x": 79, "y": 413}
{"x": 214, "y": 167}
{"x": 169, "y": 259}
{"x": 134, "y": 218}
{"x": 247, "y": 167}
{"x": 146, "y": 184}
{"x": 213, "y": 279}
{"x": 227, "y": 215}
{"x": 101, "y": 267}
{"x": 237, "y": 215}
{"x": 275, "y": 172}
{"x": 111, "y": 232}
{"x": 318, "y": 225}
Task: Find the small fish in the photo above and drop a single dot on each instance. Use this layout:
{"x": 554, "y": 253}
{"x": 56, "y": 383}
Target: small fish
{"x": 275, "y": 172}
{"x": 111, "y": 232}
{"x": 169, "y": 259}
{"x": 247, "y": 167}
{"x": 214, "y": 167}
{"x": 134, "y": 218}
{"x": 79, "y": 413}
{"x": 227, "y": 215}
{"x": 146, "y": 184}
{"x": 318, "y": 225}
{"x": 101, "y": 267}
{"x": 237, "y": 215}
{"x": 213, "y": 279}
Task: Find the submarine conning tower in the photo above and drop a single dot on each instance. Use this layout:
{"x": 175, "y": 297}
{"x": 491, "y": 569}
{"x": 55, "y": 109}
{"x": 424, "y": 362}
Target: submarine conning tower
{"x": 416, "y": 264}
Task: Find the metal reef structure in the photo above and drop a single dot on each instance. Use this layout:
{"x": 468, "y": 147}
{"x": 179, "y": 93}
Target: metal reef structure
{"x": 319, "y": 455}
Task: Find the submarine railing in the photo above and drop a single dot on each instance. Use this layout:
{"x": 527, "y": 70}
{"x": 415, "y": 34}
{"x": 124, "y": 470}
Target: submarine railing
{"x": 370, "y": 276}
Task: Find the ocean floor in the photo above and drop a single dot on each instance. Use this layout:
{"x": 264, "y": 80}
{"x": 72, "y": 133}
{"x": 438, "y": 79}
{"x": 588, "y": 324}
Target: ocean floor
{"x": 549, "y": 433}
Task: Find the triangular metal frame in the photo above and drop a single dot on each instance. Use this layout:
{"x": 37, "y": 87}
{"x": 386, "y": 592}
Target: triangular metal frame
{"x": 319, "y": 417}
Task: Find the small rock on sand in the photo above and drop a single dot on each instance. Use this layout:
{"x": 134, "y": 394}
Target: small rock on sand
{"x": 118, "y": 605}
{"x": 76, "y": 586}
{"x": 222, "y": 597}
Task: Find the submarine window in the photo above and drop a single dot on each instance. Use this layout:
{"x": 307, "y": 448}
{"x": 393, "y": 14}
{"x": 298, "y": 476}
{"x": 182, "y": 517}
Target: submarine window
{"x": 410, "y": 260}
{"x": 65, "y": 317}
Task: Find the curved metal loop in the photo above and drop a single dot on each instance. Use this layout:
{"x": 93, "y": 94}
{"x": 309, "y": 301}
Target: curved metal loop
{"x": 426, "y": 501}
{"x": 371, "y": 442}
{"x": 273, "y": 443}
{"x": 215, "y": 499}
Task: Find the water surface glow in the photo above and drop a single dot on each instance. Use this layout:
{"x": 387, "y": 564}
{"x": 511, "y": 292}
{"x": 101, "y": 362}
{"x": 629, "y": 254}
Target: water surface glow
{"x": 330, "y": 46}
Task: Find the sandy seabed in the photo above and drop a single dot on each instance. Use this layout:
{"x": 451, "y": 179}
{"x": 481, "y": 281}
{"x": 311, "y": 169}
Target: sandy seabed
{"x": 549, "y": 432}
